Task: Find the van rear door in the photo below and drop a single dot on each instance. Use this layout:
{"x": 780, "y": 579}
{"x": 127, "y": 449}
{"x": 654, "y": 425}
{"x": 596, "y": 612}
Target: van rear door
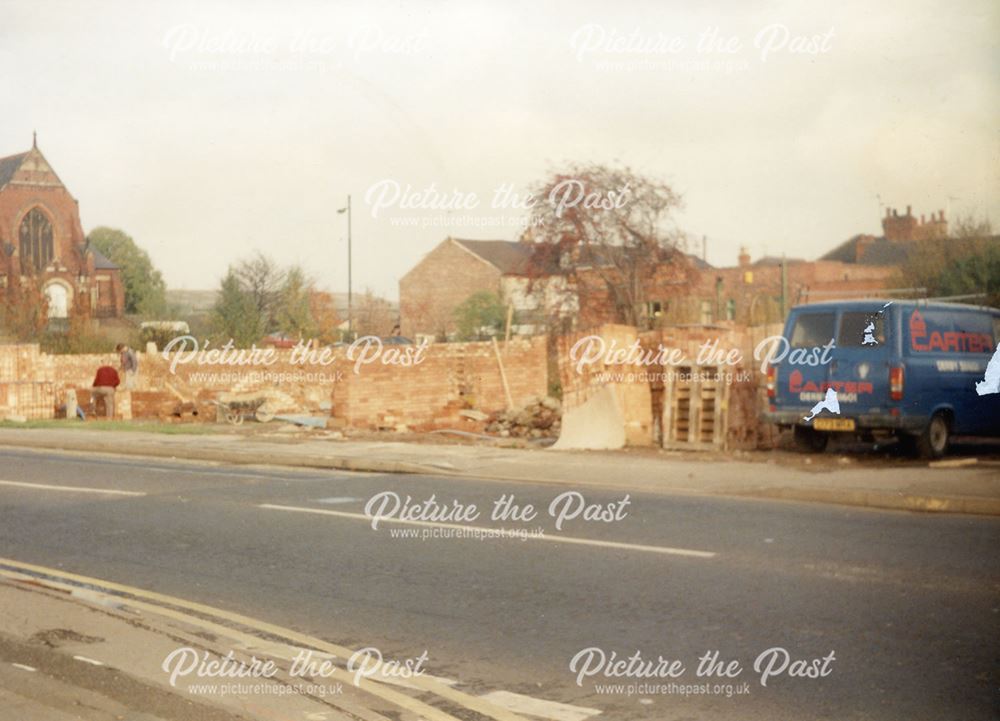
{"x": 800, "y": 385}
{"x": 859, "y": 366}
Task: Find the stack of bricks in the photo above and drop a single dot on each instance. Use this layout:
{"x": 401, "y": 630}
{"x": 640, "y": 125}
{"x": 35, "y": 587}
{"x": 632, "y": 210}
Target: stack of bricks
{"x": 26, "y": 389}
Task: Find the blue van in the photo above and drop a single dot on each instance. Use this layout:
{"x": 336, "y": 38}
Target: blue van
{"x": 875, "y": 367}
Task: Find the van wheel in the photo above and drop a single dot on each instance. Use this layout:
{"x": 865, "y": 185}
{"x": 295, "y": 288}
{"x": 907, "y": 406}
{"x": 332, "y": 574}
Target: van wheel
{"x": 810, "y": 440}
{"x": 933, "y": 442}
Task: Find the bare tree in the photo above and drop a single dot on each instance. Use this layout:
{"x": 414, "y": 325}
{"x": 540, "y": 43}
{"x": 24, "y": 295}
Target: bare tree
{"x": 264, "y": 281}
{"x": 611, "y": 234}
{"x": 373, "y": 315}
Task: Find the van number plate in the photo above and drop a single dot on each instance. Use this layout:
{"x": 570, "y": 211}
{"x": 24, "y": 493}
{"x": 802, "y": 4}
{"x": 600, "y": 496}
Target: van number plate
{"x": 834, "y": 424}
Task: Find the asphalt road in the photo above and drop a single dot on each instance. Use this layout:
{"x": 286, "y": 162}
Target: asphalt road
{"x": 909, "y": 604}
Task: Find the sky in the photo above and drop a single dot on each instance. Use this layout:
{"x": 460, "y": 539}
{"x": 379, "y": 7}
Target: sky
{"x": 212, "y": 130}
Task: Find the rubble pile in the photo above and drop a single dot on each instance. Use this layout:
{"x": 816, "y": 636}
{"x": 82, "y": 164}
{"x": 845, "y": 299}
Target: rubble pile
{"x": 542, "y": 418}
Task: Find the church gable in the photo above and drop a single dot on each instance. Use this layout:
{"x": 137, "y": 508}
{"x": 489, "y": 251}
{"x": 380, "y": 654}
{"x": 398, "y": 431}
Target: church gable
{"x": 28, "y": 169}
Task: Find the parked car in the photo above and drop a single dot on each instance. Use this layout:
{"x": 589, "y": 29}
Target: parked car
{"x": 906, "y": 368}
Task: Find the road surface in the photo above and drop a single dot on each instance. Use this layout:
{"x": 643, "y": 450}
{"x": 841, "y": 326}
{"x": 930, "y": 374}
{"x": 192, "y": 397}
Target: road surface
{"x": 908, "y": 604}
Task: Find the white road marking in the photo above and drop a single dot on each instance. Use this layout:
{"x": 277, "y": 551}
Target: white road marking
{"x": 338, "y": 499}
{"x": 23, "y": 667}
{"x": 75, "y": 489}
{"x": 552, "y": 539}
{"x": 539, "y": 707}
{"x": 88, "y": 660}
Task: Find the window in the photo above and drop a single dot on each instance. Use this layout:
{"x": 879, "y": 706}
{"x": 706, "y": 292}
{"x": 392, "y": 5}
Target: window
{"x": 36, "y": 240}
{"x": 706, "y": 312}
{"x": 731, "y": 309}
{"x": 812, "y": 329}
{"x": 857, "y": 328}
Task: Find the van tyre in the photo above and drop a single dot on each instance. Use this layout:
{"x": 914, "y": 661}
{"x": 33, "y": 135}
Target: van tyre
{"x": 933, "y": 442}
{"x": 810, "y": 440}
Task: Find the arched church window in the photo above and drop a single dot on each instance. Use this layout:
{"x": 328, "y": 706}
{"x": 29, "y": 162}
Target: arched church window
{"x": 36, "y": 240}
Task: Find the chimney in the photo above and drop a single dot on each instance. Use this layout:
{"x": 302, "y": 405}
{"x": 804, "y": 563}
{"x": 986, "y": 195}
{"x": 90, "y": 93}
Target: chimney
{"x": 744, "y": 257}
{"x": 909, "y": 210}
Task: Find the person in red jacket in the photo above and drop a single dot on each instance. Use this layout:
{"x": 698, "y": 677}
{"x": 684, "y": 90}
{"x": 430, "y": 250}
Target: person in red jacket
{"x": 105, "y": 383}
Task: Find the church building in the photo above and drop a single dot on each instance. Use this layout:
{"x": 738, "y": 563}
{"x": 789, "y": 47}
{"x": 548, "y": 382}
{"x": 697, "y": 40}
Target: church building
{"x": 41, "y": 236}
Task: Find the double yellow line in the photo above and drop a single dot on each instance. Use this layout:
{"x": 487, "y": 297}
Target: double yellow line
{"x": 159, "y": 603}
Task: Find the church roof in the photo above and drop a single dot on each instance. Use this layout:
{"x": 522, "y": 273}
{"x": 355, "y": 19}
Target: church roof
{"x": 101, "y": 261}
{"x": 9, "y": 166}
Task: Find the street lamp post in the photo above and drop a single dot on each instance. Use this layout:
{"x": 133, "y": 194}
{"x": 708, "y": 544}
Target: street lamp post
{"x": 350, "y": 295}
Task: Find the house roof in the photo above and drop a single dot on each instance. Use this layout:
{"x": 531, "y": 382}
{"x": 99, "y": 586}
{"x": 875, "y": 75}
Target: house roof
{"x": 508, "y": 256}
{"x": 699, "y": 263}
{"x": 9, "y": 166}
{"x": 776, "y": 260}
{"x": 101, "y": 261}
{"x": 877, "y": 251}
{"x": 520, "y": 258}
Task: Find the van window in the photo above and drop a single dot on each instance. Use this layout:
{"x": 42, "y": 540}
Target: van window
{"x": 812, "y": 329}
{"x": 853, "y": 325}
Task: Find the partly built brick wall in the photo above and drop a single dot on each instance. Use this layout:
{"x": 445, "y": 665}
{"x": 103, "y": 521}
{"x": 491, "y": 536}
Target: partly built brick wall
{"x": 451, "y": 377}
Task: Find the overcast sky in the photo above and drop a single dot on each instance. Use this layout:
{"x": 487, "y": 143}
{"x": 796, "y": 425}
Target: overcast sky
{"x": 208, "y": 130}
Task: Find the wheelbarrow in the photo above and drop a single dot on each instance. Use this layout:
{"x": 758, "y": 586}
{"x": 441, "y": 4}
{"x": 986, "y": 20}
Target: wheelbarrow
{"x": 237, "y": 411}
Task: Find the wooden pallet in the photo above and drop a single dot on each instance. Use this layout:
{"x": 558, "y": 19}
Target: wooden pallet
{"x": 695, "y": 401}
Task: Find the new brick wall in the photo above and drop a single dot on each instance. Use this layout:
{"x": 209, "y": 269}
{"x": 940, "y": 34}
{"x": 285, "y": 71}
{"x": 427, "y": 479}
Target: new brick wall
{"x": 451, "y": 377}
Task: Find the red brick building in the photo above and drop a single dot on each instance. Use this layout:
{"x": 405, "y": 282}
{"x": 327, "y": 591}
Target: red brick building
{"x": 544, "y": 283}
{"x": 41, "y": 236}
{"x": 751, "y": 292}
{"x": 448, "y": 275}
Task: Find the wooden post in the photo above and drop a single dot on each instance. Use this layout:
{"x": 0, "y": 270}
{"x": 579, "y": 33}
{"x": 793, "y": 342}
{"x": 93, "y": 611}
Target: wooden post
{"x": 510, "y": 318}
{"x": 503, "y": 375}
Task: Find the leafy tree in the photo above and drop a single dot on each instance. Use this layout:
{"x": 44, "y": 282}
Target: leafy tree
{"x": 481, "y": 315}
{"x": 25, "y": 308}
{"x": 145, "y": 290}
{"x": 236, "y": 315}
{"x": 323, "y": 310}
{"x": 293, "y": 311}
{"x": 967, "y": 263}
{"x": 978, "y": 272}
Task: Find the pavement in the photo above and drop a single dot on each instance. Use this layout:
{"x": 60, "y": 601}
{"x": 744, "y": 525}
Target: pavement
{"x": 957, "y": 485}
{"x": 73, "y": 653}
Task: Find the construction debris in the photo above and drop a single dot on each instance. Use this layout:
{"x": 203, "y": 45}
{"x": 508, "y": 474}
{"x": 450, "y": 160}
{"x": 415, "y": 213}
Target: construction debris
{"x": 541, "y": 418}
